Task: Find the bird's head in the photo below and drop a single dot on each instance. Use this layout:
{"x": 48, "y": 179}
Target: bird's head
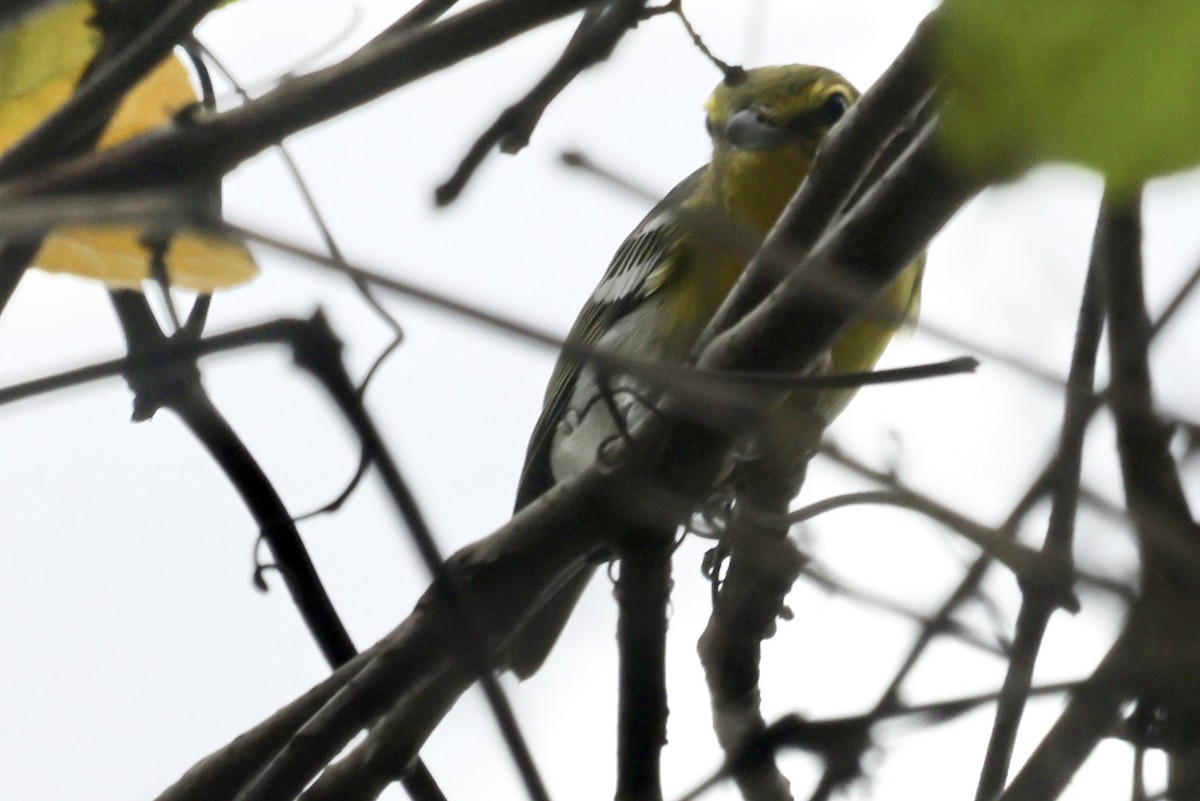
{"x": 777, "y": 109}
{"x": 766, "y": 128}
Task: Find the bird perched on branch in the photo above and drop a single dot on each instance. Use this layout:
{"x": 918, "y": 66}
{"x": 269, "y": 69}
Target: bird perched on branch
{"x": 668, "y": 279}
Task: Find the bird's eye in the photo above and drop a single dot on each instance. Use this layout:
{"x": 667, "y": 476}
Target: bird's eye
{"x": 834, "y": 108}
{"x": 764, "y": 119}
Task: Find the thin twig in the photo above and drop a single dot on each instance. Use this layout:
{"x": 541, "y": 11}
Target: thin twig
{"x": 1025, "y": 563}
{"x": 733, "y": 74}
{"x": 829, "y": 738}
{"x": 364, "y": 289}
{"x": 951, "y": 628}
{"x": 957, "y": 366}
{"x": 168, "y": 355}
{"x": 908, "y": 498}
{"x": 708, "y": 388}
{"x": 601, "y": 28}
{"x": 1036, "y": 607}
{"x": 310, "y": 203}
{"x": 1176, "y": 303}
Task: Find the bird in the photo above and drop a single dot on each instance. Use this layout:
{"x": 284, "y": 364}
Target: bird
{"x": 666, "y": 282}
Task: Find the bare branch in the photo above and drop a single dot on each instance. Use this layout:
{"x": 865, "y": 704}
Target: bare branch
{"x": 1036, "y": 606}
{"x": 178, "y": 388}
{"x": 1167, "y": 533}
{"x": 392, "y": 745}
{"x": 224, "y": 772}
{"x": 321, "y": 356}
{"x": 1091, "y": 714}
{"x": 601, "y": 28}
{"x": 161, "y": 209}
{"x": 763, "y": 566}
{"x": 643, "y": 593}
{"x": 1153, "y": 492}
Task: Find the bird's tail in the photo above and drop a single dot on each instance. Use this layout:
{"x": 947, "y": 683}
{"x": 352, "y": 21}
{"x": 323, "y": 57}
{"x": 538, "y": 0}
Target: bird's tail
{"x": 531, "y": 644}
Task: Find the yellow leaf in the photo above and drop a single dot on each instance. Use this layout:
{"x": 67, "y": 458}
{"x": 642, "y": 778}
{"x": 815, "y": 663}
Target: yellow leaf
{"x": 1109, "y": 84}
{"x": 204, "y": 263}
{"x": 115, "y": 256}
{"x": 161, "y": 95}
{"x": 40, "y": 63}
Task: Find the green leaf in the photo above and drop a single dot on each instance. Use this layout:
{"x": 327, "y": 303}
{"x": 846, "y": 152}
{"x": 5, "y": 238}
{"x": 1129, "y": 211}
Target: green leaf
{"x": 1109, "y": 84}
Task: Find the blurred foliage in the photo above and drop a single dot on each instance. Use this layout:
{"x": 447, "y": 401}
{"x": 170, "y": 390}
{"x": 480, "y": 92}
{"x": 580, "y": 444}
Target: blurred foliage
{"x": 1109, "y": 84}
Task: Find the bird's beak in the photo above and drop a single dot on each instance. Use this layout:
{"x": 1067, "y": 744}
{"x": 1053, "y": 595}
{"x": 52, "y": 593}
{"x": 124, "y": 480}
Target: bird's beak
{"x": 750, "y": 130}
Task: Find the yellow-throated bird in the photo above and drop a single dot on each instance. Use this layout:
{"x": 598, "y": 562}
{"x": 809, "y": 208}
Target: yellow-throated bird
{"x": 668, "y": 278}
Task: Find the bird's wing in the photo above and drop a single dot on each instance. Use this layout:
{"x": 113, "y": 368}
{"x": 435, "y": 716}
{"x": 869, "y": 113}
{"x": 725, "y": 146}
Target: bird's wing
{"x": 639, "y": 268}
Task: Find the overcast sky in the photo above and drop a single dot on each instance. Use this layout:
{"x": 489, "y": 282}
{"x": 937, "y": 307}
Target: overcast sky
{"x": 135, "y": 641}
